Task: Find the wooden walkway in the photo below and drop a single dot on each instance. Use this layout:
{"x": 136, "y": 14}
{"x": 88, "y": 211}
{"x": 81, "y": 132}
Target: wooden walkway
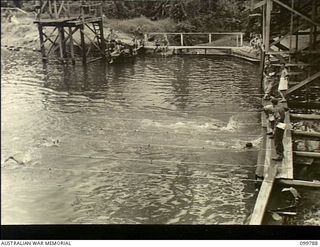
{"x": 269, "y": 169}
{"x": 190, "y": 47}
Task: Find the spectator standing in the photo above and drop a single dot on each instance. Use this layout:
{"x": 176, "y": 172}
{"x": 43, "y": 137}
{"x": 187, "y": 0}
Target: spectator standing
{"x": 283, "y": 84}
{"x": 279, "y": 114}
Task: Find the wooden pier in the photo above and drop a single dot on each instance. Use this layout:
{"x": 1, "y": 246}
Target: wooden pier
{"x": 59, "y": 21}
{"x": 304, "y": 70}
{"x": 211, "y": 37}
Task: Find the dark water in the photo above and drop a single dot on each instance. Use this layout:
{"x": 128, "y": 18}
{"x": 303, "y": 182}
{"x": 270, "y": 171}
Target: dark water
{"x": 158, "y": 141}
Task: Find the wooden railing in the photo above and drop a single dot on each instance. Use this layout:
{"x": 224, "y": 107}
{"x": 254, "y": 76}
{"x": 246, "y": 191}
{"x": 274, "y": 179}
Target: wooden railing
{"x": 237, "y": 35}
{"x": 57, "y": 9}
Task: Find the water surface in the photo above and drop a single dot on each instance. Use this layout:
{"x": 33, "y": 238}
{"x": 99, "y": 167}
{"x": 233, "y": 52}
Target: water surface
{"x": 160, "y": 140}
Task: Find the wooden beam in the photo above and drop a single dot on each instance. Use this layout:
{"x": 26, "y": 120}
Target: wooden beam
{"x": 285, "y": 36}
{"x": 43, "y": 6}
{"x": 71, "y": 45}
{"x": 263, "y": 196}
{"x": 55, "y": 9}
{"x": 307, "y": 154}
{"x": 305, "y": 116}
{"x": 313, "y": 184}
{"x": 292, "y": 52}
{"x": 102, "y": 41}
{"x": 92, "y": 41}
{"x": 268, "y": 23}
{"x": 60, "y": 9}
{"x": 260, "y": 4}
{"x": 52, "y": 46}
{"x": 305, "y": 105}
{"x": 304, "y": 82}
{"x": 83, "y": 45}
{"x": 296, "y": 12}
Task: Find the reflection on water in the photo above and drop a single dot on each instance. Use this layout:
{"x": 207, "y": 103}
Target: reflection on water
{"x": 158, "y": 141}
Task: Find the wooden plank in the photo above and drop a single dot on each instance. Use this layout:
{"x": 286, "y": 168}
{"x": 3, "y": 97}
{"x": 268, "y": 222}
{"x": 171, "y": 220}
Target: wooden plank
{"x": 286, "y": 169}
{"x": 292, "y": 52}
{"x": 294, "y": 64}
{"x": 214, "y": 33}
{"x": 303, "y": 83}
{"x": 314, "y": 184}
{"x": 261, "y": 155}
{"x": 263, "y": 196}
{"x": 267, "y": 160}
{"x": 307, "y": 154}
{"x": 296, "y": 12}
{"x": 194, "y": 47}
{"x": 305, "y": 116}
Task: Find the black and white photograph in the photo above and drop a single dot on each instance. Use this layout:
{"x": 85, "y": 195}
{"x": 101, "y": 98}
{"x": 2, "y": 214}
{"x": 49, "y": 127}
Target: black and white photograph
{"x": 167, "y": 112}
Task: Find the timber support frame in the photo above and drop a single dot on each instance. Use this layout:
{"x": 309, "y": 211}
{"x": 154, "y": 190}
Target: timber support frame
{"x": 59, "y": 21}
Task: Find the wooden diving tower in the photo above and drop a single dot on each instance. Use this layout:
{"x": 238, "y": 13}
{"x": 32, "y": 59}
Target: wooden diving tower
{"x": 66, "y": 25}
{"x": 294, "y": 41}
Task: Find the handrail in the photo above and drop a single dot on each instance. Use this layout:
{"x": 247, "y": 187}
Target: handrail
{"x": 225, "y": 33}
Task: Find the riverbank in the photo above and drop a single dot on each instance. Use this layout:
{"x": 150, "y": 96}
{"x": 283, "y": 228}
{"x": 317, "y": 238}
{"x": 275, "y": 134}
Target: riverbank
{"x": 22, "y": 33}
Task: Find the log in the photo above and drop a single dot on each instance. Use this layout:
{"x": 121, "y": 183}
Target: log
{"x": 307, "y": 154}
{"x": 314, "y": 184}
{"x": 305, "y": 116}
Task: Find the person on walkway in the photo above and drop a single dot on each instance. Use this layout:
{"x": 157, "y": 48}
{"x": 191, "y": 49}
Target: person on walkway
{"x": 268, "y": 78}
{"x": 283, "y": 84}
{"x": 269, "y": 111}
{"x": 37, "y": 8}
{"x": 279, "y": 114}
{"x": 111, "y": 36}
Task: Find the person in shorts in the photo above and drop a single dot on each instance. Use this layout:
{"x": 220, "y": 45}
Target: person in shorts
{"x": 283, "y": 84}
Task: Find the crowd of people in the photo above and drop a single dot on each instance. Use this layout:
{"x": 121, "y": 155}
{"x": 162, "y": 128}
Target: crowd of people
{"x": 115, "y": 47}
{"x": 275, "y": 112}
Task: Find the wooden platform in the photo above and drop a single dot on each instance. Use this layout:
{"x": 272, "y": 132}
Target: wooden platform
{"x": 193, "y": 47}
{"x": 67, "y": 22}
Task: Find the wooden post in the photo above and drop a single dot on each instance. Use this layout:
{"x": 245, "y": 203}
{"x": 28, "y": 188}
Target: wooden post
{"x": 61, "y": 42}
{"x": 241, "y": 39}
{"x": 297, "y": 33}
{"x": 102, "y": 42}
{"x": 42, "y": 48}
{"x": 313, "y": 31}
{"x": 83, "y": 44}
{"x": 145, "y": 38}
{"x": 50, "y": 9}
{"x": 181, "y": 39}
{"x": 264, "y": 24}
{"x": 237, "y": 40}
{"x": 71, "y": 45}
{"x": 210, "y": 38}
{"x": 291, "y": 30}
{"x": 268, "y": 22}
{"x": 55, "y": 9}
